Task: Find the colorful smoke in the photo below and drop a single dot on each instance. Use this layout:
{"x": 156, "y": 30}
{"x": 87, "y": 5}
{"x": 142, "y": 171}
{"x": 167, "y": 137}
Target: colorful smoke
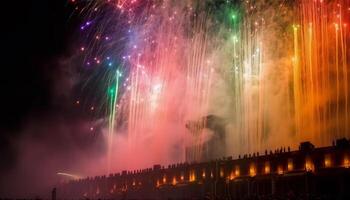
{"x": 275, "y": 70}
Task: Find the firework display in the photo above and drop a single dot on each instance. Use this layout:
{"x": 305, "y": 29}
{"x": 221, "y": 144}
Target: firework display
{"x": 277, "y": 72}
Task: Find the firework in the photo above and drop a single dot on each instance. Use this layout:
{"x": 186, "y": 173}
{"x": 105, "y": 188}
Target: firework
{"x": 277, "y": 71}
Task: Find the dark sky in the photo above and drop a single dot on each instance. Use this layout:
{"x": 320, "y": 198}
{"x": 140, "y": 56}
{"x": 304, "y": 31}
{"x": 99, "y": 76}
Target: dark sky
{"x": 35, "y": 33}
{"x": 42, "y": 130}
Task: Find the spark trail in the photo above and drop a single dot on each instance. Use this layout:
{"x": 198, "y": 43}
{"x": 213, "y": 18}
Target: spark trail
{"x": 275, "y": 70}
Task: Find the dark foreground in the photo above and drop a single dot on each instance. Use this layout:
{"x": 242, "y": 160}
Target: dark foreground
{"x": 308, "y": 173}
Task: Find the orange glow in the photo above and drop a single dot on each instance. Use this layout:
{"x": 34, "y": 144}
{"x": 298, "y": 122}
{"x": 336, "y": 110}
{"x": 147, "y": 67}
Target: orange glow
{"x": 192, "y": 176}
{"x": 182, "y": 177}
{"x": 309, "y": 166}
{"x": 319, "y": 52}
{"x": 280, "y": 170}
{"x": 327, "y": 160}
{"x": 174, "y": 182}
{"x": 203, "y": 174}
{"x": 158, "y": 183}
{"x": 232, "y": 175}
{"x": 346, "y": 162}
{"x": 164, "y": 179}
{"x": 211, "y": 175}
{"x": 252, "y": 170}
{"x": 290, "y": 165}
{"x": 237, "y": 173}
{"x": 267, "y": 168}
{"x": 222, "y": 173}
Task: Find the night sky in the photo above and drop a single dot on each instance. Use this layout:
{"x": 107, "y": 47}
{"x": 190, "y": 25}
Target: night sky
{"x": 36, "y": 36}
{"x": 35, "y": 33}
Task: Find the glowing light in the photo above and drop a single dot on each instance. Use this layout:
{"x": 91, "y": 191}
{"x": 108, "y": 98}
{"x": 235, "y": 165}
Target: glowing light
{"x": 235, "y": 39}
{"x": 290, "y": 165}
{"x": 192, "y": 176}
{"x": 174, "y": 182}
{"x": 75, "y": 177}
{"x": 113, "y": 99}
{"x": 232, "y": 175}
{"x": 252, "y": 170}
{"x": 237, "y": 171}
{"x": 267, "y": 167}
{"x": 327, "y": 160}
{"x": 222, "y": 172}
{"x": 295, "y": 27}
{"x": 98, "y": 191}
{"x": 346, "y": 162}
{"x": 309, "y": 166}
{"x": 280, "y": 170}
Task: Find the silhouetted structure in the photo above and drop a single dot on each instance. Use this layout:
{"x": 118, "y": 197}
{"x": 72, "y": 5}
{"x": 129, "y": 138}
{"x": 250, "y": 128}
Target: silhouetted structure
{"x": 309, "y": 173}
{"x": 53, "y": 194}
{"x": 213, "y": 148}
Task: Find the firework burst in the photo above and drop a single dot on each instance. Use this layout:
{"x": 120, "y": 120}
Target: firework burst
{"x": 277, "y": 71}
